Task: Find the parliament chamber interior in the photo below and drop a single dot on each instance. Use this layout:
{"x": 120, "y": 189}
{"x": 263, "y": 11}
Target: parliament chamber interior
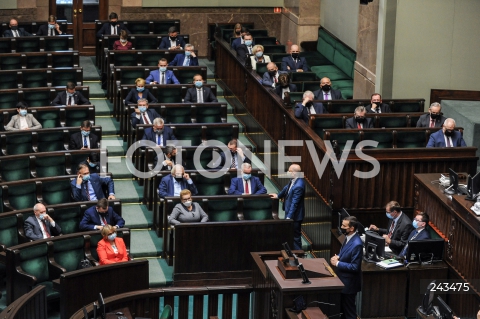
{"x": 263, "y": 159}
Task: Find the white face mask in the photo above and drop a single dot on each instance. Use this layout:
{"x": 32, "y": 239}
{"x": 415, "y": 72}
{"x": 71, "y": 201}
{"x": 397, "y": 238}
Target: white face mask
{"x": 188, "y": 204}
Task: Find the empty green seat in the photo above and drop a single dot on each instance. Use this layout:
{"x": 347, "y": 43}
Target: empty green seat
{"x": 266, "y": 40}
{"x": 404, "y": 107}
{"x": 330, "y": 71}
{"x": 129, "y": 76}
{"x": 268, "y": 49}
{"x": 49, "y": 141}
{"x": 222, "y": 210}
{"x": 18, "y": 143}
{"x": 206, "y": 156}
{"x": 69, "y": 252}
{"x": 209, "y": 186}
{"x": 22, "y": 196}
{"x": 63, "y": 61}
{"x": 405, "y": 139}
{"x": 222, "y": 134}
{"x": 94, "y": 239}
{"x": 75, "y": 116}
{"x": 343, "y": 138}
{"x": 258, "y": 33}
{"x": 8, "y": 100}
{"x": 173, "y": 95}
{"x": 185, "y": 76}
{"x": 387, "y": 121}
{"x": 139, "y": 27}
{"x": 48, "y": 119}
{"x": 68, "y": 218}
{"x": 60, "y": 78}
{"x": 14, "y": 169}
{"x": 277, "y": 57}
{"x": 8, "y": 230}
{"x": 310, "y": 86}
{"x": 35, "y": 79}
{"x": 50, "y": 166}
{"x": 296, "y": 96}
{"x": 150, "y": 58}
{"x": 346, "y": 107}
{"x": 261, "y": 68}
{"x": 304, "y": 76}
{"x": 11, "y": 62}
{"x": 57, "y": 191}
{"x": 57, "y": 43}
{"x": 384, "y": 139}
{"x": 178, "y": 114}
{"x": 322, "y": 123}
{"x": 193, "y": 134}
{"x": 257, "y": 209}
{"x": 413, "y": 120}
{"x": 147, "y": 44}
{"x": 28, "y": 44}
{"x": 37, "y": 98}
{"x": 124, "y": 59}
{"x": 209, "y": 114}
{"x": 5, "y": 47}
{"x": 37, "y": 61}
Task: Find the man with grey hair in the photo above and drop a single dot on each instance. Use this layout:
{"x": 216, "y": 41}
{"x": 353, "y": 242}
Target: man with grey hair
{"x": 174, "y": 183}
{"x": 434, "y": 118}
{"x": 187, "y": 59}
{"x": 247, "y": 184}
{"x": 159, "y": 133}
{"x": 142, "y": 114}
{"x": 359, "y": 120}
{"x": 307, "y": 107}
{"x": 41, "y": 225}
{"x": 447, "y": 136}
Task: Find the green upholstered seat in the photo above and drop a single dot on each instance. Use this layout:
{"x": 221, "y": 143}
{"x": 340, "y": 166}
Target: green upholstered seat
{"x": 222, "y": 134}
{"x": 433, "y": 233}
{"x": 50, "y": 141}
{"x": 178, "y": 114}
{"x": 35, "y": 79}
{"x": 8, "y": 230}
{"x": 19, "y": 143}
{"x": 185, "y": 76}
{"x": 266, "y": 40}
{"x": 257, "y": 209}
{"x": 227, "y": 34}
{"x": 48, "y": 119}
{"x": 269, "y": 49}
{"x": 63, "y": 61}
{"x": 139, "y": 27}
{"x": 304, "y": 76}
{"x": 209, "y": 186}
{"x": 386, "y": 121}
{"x": 206, "y": 157}
{"x": 411, "y": 139}
{"x": 37, "y": 62}
{"x": 310, "y": 86}
{"x": 8, "y": 100}
{"x": 330, "y": 71}
{"x": 147, "y": 44}
{"x": 296, "y": 96}
{"x": 193, "y": 134}
{"x": 167, "y": 312}
{"x": 60, "y": 78}
{"x": 321, "y": 123}
{"x": 28, "y": 44}
{"x": 345, "y": 86}
{"x": 94, "y": 239}
{"x": 68, "y": 218}
{"x": 69, "y": 252}
{"x": 56, "y": 43}
{"x": 171, "y": 95}
{"x": 150, "y": 58}
{"x": 315, "y": 58}
{"x": 346, "y": 107}
{"x": 50, "y": 166}
{"x": 9, "y": 82}
{"x": 222, "y": 210}
{"x": 125, "y": 59}
{"x": 75, "y": 117}
{"x": 37, "y": 98}
{"x": 258, "y": 33}
{"x": 162, "y": 27}
{"x": 56, "y": 192}
{"x": 11, "y": 62}
{"x": 14, "y": 169}
{"x": 129, "y": 76}
{"x": 261, "y": 68}
{"x": 404, "y": 107}
{"x": 209, "y": 114}
{"x": 413, "y": 120}
{"x": 277, "y": 57}
{"x": 5, "y": 47}
{"x": 384, "y": 139}
{"x": 344, "y": 137}
{"x": 22, "y": 196}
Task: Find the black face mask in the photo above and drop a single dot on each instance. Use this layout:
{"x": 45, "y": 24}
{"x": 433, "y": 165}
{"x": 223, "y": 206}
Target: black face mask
{"x": 113, "y": 24}
{"x": 449, "y": 132}
{"x": 179, "y": 179}
{"x": 326, "y": 88}
{"x": 272, "y": 73}
{"x": 434, "y": 116}
{"x": 233, "y": 152}
{"x": 344, "y": 231}
{"x": 295, "y": 55}
{"x": 173, "y": 38}
{"x": 14, "y": 28}
{"x": 309, "y": 104}
{"x": 360, "y": 119}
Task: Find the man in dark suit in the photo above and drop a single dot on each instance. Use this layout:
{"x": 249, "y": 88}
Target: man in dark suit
{"x": 159, "y": 133}
{"x": 162, "y": 75}
{"x": 84, "y": 139}
{"x": 112, "y": 27}
{"x": 142, "y": 114}
{"x": 419, "y": 223}
{"x": 199, "y": 94}
{"x": 326, "y": 92}
{"x": 70, "y": 97}
{"x": 359, "y": 120}
{"x": 293, "y": 204}
{"x": 51, "y": 28}
{"x": 235, "y": 159}
{"x": 169, "y": 157}
{"x": 247, "y": 184}
{"x": 434, "y": 118}
{"x": 40, "y": 225}
{"x": 376, "y": 105}
{"x": 307, "y": 107}
{"x": 174, "y": 183}
{"x": 100, "y": 215}
{"x": 236, "y": 43}
{"x": 187, "y": 59}
{"x": 270, "y": 78}
{"x": 246, "y": 48}
{"x": 348, "y": 265}
{"x": 173, "y": 41}
{"x": 284, "y": 85}
{"x": 15, "y": 31}
{"x": 88, "y": 187}
{"x": 398, "y": 229}
{"x": 294, "y": 63}
{"x": 447, "y": 136}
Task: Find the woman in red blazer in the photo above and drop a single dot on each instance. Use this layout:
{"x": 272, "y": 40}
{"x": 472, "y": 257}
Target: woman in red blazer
{"x": 111, "y": 249}
{"x": 123, "y": 43}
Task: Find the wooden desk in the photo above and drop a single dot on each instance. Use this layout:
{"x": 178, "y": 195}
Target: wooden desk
{"x": 309, "y": 313}
{"x": 125, "y": 310}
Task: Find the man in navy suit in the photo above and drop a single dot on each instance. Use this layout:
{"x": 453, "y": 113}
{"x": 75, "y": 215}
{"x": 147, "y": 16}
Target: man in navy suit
{"x": 348, "y": 265}
{"x": 359, "y": 120}
{"x": 294, "y": 63}
{"x": 84, "y": 139}
{"x": 447, "y": 136}
{"x": 112, "y": 27}
{"x": 187, "y": 59}
{"x": 70, "y": 97}
{"x": 162, "y": 75}
{"x": 173, "y": 41}
{"x": 434, "y": 118}
{"x": 142, "y": 114}
{"x": 236, "y": 158}
{"x": 199, "y": 94}
{"x": 51, "y": 28}
{"x": 238, "y": 41}
{"x": 270, "y": 78}
{"x": 376, "y": 105}
{"x": 247, "y": 184}
{"x": 100, "y": 215}
{"x": 246, "y": 48}
{"x": 307, "y": 107}
{"x": 159, "y": 133}
{"x": 293, "y": 195}
{"x": 15, "y": 31}
{"x": 420, "y": 223}
{"x": 173, "y": 184}
{"x": 326, "y": 92}
{"x": 40, "y": 225}
{"x": 88, "y": 187}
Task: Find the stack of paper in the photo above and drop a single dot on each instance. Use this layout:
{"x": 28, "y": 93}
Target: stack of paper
{"x": 389, "y": 263}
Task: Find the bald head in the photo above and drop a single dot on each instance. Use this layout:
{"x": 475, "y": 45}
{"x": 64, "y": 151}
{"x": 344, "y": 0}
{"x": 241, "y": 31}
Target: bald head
{"x": 39, "y": 209}
{"x": 13, "y": 23}
{"x": 272, "y": 67}
{"x": 294, "y": 49}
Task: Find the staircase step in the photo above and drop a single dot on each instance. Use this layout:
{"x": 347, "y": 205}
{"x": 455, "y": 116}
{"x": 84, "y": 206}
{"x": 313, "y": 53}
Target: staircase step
{"x": 114, "y": 144}
{"x": 102, "y": 108}
{"x": 137, "y": 216}
{"x": 160, "y": 274}
{"x": 109, "y": 125}
{"x": 90, "y": 72}
{"x": 119, "y": 166}
{"x": 96, "y": 90}
{"x": 128, "y": 190}
{"x": 145, "y": 243}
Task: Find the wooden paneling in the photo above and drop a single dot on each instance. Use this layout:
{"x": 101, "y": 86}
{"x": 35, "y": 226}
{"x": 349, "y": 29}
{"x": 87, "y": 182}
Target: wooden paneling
{"x": 437, "y": 95}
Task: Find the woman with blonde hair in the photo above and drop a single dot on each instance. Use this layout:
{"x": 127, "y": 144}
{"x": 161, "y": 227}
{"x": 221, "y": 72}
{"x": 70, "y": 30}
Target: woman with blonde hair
{"x": 139, "y": 92}
{"x": 111, "y": 249}
{"x": 258, "y": 56}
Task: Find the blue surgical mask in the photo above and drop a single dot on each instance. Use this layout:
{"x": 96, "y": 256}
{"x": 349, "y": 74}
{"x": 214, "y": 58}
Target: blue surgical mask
{"x": 23, "y": 112}
{"x": 247, "y": 176}
{"x": 70, "y": 94}
{"x": 112, "y": 236}
{"x": 415, "y": 224}
{"x": 86, "y": 178}
{"x": 142, "y": 109}
{"x": 140, "y": 89}
{"x": 248, "y": 43}
{"x": 85, "y": 133}
{"x": 188, "y": 53}
{"x": 92, "y": 164}
{"x": 198, "y": 84}
{"x": 51, "y": 26}
{"x": 259, "y": 54}
{"x": 42, "y": 216}
{"x": 163, "y": 68}
{"x": 388, "y": 215}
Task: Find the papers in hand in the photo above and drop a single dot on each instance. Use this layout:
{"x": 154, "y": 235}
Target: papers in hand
{"x": 389, "y": 263}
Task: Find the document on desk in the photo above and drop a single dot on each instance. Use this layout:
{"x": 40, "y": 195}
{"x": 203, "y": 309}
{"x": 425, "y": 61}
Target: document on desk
{"x": 389, "y": 264}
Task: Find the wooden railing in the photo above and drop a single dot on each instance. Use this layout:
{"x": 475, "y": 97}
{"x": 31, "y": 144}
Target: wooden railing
{"x": 31, "y": 305}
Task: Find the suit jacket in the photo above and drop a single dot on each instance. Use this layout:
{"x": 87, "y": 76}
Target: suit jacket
{"x": 106, "y": 29}
{"x": 319, "y": 95}
{"x": 400, "y": 233}
{"x": 424, "y": 121}
{"x": 154, "y": 76}
{"x": 165, "y": 43}
{"x": 242, "y": 52}
{"x": 180, "y": 58}
{"x": 424, "y": 234}
{"x": 33, "y": 229}
{"x": 61, "y": 99}
{"x": 151, "y": 113}
{"x": 76, "y": 141}
{"x": 106, "y": 254}
{"x": 385, "y": 108}
{"x": 80, "y": 194}
{"x": 165, "y": 167}
{"x": 43, "y": 30}
{"x": 437, "y": 139}
{"x": 208, "y": 96}
{"x": 91, "y": 218}
{"x": 351, "y": 123}
{"x": 237, "y": 42}
{"x": 302, "y": 112}
{"x": 278, "y": 89}
{"x": 293, "y": 203}
{"x": 266, "y": 59}
{"x": 350, "y": 264}
{"x": 166, "y": 186}
{"x": 132, "y": 97}
{"x": 240, "y": 161}
{"x": 14, "y": 123}
{"x": 268, "y": 80}
{"x": 21, "y": 32}
{"x": 237, "y": 186}
{"x": 150, "y": 135}
{"x": 294, "y": 66}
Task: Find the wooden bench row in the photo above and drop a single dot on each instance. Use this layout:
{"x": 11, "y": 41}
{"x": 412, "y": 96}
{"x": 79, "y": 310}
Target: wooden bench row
{"x": 37, "y": 44}
{"x": 39, "y": 60}
{"x": 34, "y": 78}
{"x": 39, "y": 96}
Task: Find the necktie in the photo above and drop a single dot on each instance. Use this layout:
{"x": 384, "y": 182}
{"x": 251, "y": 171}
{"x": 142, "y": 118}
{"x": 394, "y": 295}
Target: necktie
{"x": 86, "y": 190}
{"x": 234, "y": 162}
{"x": 186, "y": 62}
{"x": 246, "y": 188}
{"x": 159, "y": 139}
{"x": 200, "y": 96}
{"x": 250, "y": 50}
{"x": 359, "y": 125}
{"x": 275, "y": 79}
{"x": 104, "y": 220}
{"x": 326, "y": 96}
{"x": 15, "y": 33}
{"x": 145, "y": 119}
{"x": 163, "y": 78}
{"x": 69, "y": 100}
{"x": 432, "y": 123}
{"x": 392, "y": 227}
{"x": 85, "y": 143}
{"x": 44, "y": 225}
{"x": 448, "y": 142}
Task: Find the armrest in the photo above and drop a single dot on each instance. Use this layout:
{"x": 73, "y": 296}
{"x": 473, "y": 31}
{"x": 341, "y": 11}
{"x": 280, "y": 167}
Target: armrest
{"x": 22, "y": 278}
{"x": 55, "y": 269}
{"x": 309, "y": 45}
